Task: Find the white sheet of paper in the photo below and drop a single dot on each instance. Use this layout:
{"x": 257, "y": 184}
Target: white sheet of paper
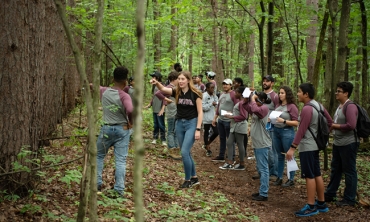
{"x": 274, "y": 115}
{"x": 247, "y": 92}
{"x": 291, "y": 166}
{"x": 224, "y": 112}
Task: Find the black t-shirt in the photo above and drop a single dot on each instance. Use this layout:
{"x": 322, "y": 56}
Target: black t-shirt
{"x": 186, "y": 106}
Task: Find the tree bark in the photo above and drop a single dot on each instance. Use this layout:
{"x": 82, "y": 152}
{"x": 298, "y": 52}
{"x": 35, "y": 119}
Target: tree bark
{"x": 365, "y": 65}
{"x": 270, "y": 37}
{"x": 138, "y": 104}
{"x": 311, "y": 38}
{"x": 173, "y": 43}
{"x": 342, "y": 40}
{"x": 157, "y": 36}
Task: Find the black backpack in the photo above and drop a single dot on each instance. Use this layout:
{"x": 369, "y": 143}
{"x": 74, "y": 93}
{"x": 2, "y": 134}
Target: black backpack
{"x": 363, "y": 121}
{"x": 322, "y": 137}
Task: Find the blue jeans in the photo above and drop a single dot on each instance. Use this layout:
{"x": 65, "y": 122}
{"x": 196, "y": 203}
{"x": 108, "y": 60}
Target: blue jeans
{"x": 281, "y": 140}
{"x": 185, "y": 132}
{"x": 261, "y": 155}
{"x": 273, "y": 156}
{"x": 119, "y": 138}
{"x": 344, "y": 162}
{"x": 159, "y": 127}
{"x": 171, "y": 134}
{"x": 223, "y": 132}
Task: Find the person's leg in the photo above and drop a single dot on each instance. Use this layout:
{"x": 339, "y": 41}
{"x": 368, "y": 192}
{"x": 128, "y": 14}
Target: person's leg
{"x": 239, "y": 138}
{"x": 320, "y": 188}
{"x": 287, "y": 137}
{"x": 120, "y": 155}
{"x": 348, "y": 157}
{"x": 230, "y": 146}
{"x": 206, "y": 133}
{"x": 245, "y": 144}
{"x": 214, "y": 134}
{"x": 273, "y": 158}
{"x": 311, "y": 190}
{"x": 335, "y": 174}
{"x": 103, "y": 143}
{"x": 277, "y": 144}
{"x": 171, "y": 142}
{"x": 180, "y": 131}
{"x": 155, "y": 126}
{"x": 188, "y": 141}
{"x": 162, "y": 127}
{"x": 263, "y": 169}
{"x": 222, "y": 135}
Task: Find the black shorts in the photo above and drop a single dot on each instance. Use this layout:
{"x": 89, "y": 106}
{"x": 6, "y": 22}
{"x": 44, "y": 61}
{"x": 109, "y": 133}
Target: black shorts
{"x": 310, "y": 164}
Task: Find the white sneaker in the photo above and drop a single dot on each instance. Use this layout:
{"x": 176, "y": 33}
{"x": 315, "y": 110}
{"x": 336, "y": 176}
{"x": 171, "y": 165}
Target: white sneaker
{"x": 154, "y": 142}
{"x": 164, "y": 143}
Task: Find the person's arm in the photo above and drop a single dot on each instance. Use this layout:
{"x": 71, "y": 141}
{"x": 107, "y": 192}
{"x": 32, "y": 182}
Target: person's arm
{"x": 233, "y": 98}
{"x": 206, "y": 105}
{"x": 200, "y": 118}
{"x": 260, "y": 111}
{"x": 243, "y": 114}
{"x": 162, "y": 110}
{"x": 126, "y": 89}
{"x": 293, "y": 112}
{"x": 127, "y": 103}
{"x": 306, "y": 117}
{"x": 161, "y": 87}
{"x": 351, "y": 113}
{"x": 149, "y": 104}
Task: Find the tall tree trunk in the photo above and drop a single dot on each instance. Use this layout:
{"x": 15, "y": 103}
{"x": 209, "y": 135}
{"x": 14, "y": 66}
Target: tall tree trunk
{"x": 357, "y": 77}
{"x": 342, "y": 40}
{"x": 216, "y": 60}
{"x": 91, "y": 106}
{"x": 260, "y": 31}
{"x": 311, "y": 38}
{"x": 191, "y": 41}
{"x": 173, "y": 44}
{"x": 270, "y": 37}
{"x": 365, "y": 65}
{"x": 157, "y": 36}
{"x": 138, "y": 104}
{"x": 319, "y": 53}
{"x": 277, "y": 66}
{"x": 251, "y": 47}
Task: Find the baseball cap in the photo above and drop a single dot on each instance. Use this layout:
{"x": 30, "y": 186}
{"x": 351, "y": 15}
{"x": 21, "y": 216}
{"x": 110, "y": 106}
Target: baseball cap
{"x": 156, "y": 74}
{"x": 269, "y": 78}
{"x": 228, "y": 81}
{"x": 211, "y": 74}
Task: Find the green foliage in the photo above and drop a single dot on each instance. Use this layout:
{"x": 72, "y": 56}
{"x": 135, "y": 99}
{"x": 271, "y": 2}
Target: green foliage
{"x": 71, "y": 176}
{"x": 30, "y": 208}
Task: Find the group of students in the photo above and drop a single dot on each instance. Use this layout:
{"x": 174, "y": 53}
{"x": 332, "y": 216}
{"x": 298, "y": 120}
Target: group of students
{"x": 230, "y": 122}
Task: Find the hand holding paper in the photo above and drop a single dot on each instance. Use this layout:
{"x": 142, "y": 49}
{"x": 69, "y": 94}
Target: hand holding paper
{"x": 224, "y": 113}
{"x": 274, "y": 115}
{"x": 247, "y": 92}
{"x": 291, "y": 165}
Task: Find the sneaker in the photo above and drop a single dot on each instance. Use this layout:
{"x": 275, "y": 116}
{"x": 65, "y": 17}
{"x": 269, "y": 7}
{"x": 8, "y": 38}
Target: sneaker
{"x": 226, "y": 166}
{"x": 239, "y": 167}
{"x": 218, "y": 159}
{"x": 260, "y": 198}
{"x": 164, "y": 143}
{"x": 194, "y": 181}
{"x": 306, "y": 211}
{"x": 278, "y": 182}
{"x": 186, "y": 184}
{"x": 256, "y": 177}
{"x": 154, "y": 142}
{"x": 344, "y": 202}
{"x": 209, "y": 153}
{"x": 255, "y": 194}
{"x": 322, "y": 208}
{"x": 329, "y": 198}
{"x": 174, "y": 153}
{"x": 288, "y": 183}
{"x": 99, "y": 189}
{"x": 204, "y": 147}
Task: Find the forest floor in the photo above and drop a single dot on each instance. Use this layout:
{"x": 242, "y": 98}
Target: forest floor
{"x": 223, "y": 195}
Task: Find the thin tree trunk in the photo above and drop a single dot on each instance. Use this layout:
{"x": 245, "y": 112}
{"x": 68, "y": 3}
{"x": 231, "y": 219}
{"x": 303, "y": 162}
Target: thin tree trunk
{"x": 157, "y": 36}
{"x": 342, "y": 40}
{"x": 278, "y": 65}
{"x": 316, "y": 79}
{"x": 138, "y": 104}
{"x": 91, "y": 110}
{"x": 357, "y": 77}
{"x": 365, "y": 65}
{"x": 270, "y": 37}
{"x": 173, "y": 42}
{"x": 311, "y": 38}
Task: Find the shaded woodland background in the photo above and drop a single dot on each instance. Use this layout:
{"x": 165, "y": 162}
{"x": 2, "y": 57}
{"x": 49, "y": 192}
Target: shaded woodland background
{"x": 295, "y": 41}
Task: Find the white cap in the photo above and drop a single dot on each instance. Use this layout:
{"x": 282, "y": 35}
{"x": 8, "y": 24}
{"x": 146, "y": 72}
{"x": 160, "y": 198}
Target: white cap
{"x": 228, "y": 81}
{"x": 210, "y": 73}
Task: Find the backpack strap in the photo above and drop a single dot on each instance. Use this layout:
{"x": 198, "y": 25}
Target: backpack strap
{"x": 344, "y": 112}
{"x": 318, "y": 113}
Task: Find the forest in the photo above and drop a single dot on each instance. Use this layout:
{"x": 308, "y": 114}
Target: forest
{"x": 50, "y": 117}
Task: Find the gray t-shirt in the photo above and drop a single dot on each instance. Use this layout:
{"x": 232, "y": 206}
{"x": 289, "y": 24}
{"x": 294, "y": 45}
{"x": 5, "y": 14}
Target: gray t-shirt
{"x": 117, "y": 106}
{"x": 290, "y": 112}
{"x": 345, "y": 135}
{"x": 226, "y": 102}
{"x": 239, "y": 124}
{"x": 156, "y": 103}
{"x": 259, "y": 135}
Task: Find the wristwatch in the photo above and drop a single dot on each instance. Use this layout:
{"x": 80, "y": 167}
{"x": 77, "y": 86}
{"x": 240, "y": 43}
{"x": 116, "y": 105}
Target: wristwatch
{"x": 284, "y": 121}
{"x": 198, "y": 129}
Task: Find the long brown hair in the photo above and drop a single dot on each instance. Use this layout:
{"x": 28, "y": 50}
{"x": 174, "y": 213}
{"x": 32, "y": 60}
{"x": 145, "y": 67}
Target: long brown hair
{"x": 290, "y": 99}
{"x": 187, "y": 75}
